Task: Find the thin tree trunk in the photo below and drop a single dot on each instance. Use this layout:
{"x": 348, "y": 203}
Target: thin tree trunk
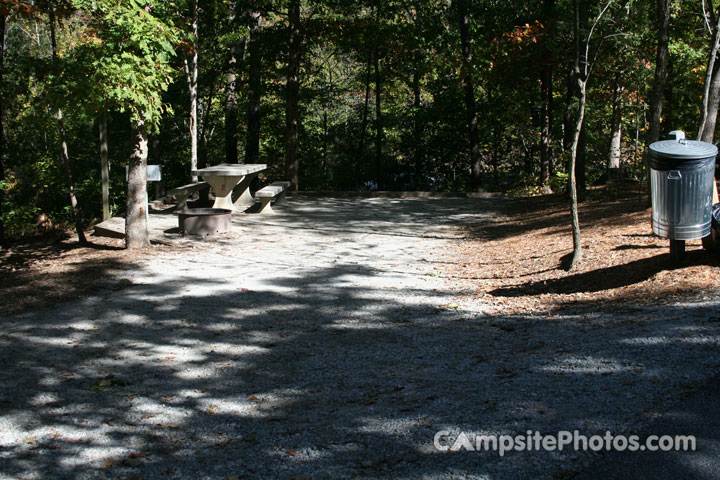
{"x": 613, "y": 165}
{"x": 469, "y": 90}
{"x": 252, "y": 143}
{"x": 2, "y": 129}
{"x": 706, "y": 132}
{"x": 661, "y": 68}
{"x": 361, "y": 150}
{"x": 293, "y": 96}
{"x": 104, "y": 165}
{"x": 416, "y": 152}
{"x": 155, "y": 155}
{"x": 546, "y": 128}
{"x": 237, "y": 54}
{"x": 378, "y": 121}
{"x": 136, "y": 231}
{"x": 191, "y": 71}
{"x": 546, "y": 75}
{"x": 64, "y": 147}
{"x": 581, "y": 83}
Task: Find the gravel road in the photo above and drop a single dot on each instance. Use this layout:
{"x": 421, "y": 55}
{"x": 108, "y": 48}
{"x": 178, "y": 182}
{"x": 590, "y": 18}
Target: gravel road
{"x": 326, "y": 342}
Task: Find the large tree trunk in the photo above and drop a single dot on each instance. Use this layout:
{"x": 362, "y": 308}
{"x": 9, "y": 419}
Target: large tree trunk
{"x": 2, "y": 130}
{"x": 252, "y": 143}
{"x": 64, "y": 148}
{"x": 469, "y": 90}
{"x": 191, "y": 71}
{"x": 378, "y": 122}
{"x": 104, "y": 165}
{"x": 293, "y": 95}
{"x": 237, "y": 53}
{"x": 136, "y": 231}
{"x": 661, "y": 68}
{"x": 613, "y": 165}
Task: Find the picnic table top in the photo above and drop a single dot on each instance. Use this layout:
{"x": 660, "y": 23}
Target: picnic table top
{"x": 231, "y": 169}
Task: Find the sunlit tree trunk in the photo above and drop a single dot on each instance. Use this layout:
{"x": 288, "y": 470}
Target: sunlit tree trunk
{"x": 469, "y": 91}
{"x": 293, "y": 95}
{"x": 191, "y": 72}
{"x": 64, "y": 147}
{"x": 614, "y": 153}
{"x": 136, "y": 229}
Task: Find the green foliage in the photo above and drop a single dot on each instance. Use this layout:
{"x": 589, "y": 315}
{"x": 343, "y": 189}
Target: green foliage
{"x": 126, "y": 57}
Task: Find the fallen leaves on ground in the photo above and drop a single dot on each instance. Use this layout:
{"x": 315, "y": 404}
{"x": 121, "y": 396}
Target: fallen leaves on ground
{"x": 512, "y": 262}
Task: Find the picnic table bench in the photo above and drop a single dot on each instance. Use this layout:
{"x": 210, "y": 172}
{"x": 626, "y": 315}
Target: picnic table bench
{"x": 275, "y": 190}
{"x": 181, "y": 194}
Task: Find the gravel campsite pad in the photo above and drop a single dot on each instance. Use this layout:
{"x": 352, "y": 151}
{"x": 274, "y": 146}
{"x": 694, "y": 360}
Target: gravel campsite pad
{"x": 330, "y": 340}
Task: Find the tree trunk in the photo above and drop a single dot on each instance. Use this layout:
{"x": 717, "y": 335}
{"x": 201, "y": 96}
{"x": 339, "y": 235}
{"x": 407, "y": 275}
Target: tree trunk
{"x": 104, "y": 165}
{"x": 293, "y": 96}
{"x": 64, "y": 147}
{"x": 546, "y": 75}
{"x": 711, "y": 94}
{"x": 365, "y": 114}
{"x": 581, "y": 83}
{"x": 378, "y": 122}
{"x": 237, "y": 53}
{"x": 613, "y": 165}
{"x": 469, "y": 90}
{"x": 2, "y": 130}
{"x": 546, "y": 128}
{"x": 252, "y": 143}
{"x": 661, "y": 68}
{"x": 416, "y": 152}
{"x": 191, "y": 71}
{"x": 136, "y": 231}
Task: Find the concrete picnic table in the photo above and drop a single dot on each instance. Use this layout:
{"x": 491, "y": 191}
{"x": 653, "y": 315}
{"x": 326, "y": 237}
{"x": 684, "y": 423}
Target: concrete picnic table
{"x": 224, "y": 177}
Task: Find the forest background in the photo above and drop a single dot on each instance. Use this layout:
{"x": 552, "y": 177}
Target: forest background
{"x": 428, "y": 95}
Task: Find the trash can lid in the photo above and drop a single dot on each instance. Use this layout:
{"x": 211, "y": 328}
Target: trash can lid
{"x": 680, "y": 148}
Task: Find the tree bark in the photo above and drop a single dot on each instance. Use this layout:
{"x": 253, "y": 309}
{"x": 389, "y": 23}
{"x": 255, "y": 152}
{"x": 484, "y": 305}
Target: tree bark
{"x": 711, "y": 93}
{"x": 546, "y": 128}
{"x": 2, "y": 129}
{"x": 378, "y": 121}
{"x": 104, "y": 165}
{"x": 581, "y": 84}
{"x": 364, "y": 120}
{"x": 416, "y": 152}
{"x": 67, "y": 164}
{"x": 136, "y": 231}
{"x": 546, "y": 90}
{"x": 293, "y": 96}
{"x": 252, "y": 143}
{"x": 469, "y": 91}
{"x": 661, "y": 68}
{"x": 613, "y": 165}
{"x": 237, "y": 54}
{"x": 191, "y": 71}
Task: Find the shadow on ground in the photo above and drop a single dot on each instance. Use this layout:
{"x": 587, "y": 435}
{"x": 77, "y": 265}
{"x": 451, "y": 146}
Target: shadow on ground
{"x": 313, "y": 372}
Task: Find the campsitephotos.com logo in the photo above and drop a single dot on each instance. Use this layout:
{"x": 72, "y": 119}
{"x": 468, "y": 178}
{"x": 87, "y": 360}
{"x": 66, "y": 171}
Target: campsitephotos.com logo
{"x": 446, "y": 441}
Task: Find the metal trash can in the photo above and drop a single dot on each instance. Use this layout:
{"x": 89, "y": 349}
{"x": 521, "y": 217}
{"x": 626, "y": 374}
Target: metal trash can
{"x": 682, "y": 173}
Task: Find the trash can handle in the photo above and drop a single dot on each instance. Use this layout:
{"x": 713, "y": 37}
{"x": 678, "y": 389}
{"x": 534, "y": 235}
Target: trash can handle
{"x": 674, "y": 175}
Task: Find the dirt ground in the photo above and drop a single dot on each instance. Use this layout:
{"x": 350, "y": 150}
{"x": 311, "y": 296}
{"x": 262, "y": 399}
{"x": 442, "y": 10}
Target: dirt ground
{"x": 51, "y": 268}
{"x": 513, "y": 263}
